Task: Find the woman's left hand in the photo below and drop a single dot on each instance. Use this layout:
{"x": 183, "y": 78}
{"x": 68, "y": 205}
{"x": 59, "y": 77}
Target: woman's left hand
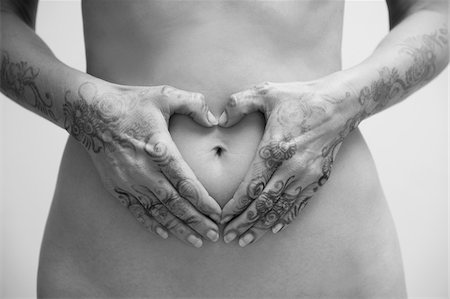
{"x": 305, "y": 126}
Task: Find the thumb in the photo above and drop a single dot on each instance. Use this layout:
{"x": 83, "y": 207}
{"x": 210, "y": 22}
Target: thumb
{"x": 192, "y": 104}
{"x": 245, "y": 102}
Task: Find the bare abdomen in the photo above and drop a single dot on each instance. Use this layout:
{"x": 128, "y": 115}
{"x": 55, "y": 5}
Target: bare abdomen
{"x": 343, "y": 244}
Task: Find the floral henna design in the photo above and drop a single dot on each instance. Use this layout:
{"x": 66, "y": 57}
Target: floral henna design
{"x": 94, "y": 119}
{"x": 143, "y": 204}
{"x": 391, "y": 84}
{"x": 177, "y": 205}
{"x": 18, "y": 80}
{"x": 268, "y": 200}
{"x": 140, "y": 206}
{"x": 275, "y": 153}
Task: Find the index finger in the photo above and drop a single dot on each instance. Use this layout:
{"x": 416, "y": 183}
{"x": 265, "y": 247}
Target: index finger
{"x": 165, "y": 154}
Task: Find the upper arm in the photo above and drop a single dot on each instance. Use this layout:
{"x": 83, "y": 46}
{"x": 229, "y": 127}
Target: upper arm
{"x": 400, "y": 9}
{"x": 24, "y": 9}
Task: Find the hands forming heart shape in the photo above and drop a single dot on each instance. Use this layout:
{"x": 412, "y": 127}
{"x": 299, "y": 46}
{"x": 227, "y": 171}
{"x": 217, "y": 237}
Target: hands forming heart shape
{"x": 125, "y": 130}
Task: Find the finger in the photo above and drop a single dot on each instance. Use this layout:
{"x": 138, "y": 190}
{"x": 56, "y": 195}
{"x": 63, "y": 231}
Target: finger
{"x": 270, "y": 156}
{"x": 179, "y": 229}
{"x": 131, "y": 202}
{"x": 176, "y": 226}
{"x": 165, "y": 154}
{"x": 246, "y": 102}
{"x": 268, "y": 221}
{"x": 143, "y": 202}
{"x": 183, "y": 209}
{"x": 258, "y": 208}
{"x": 301, "y": 202}
{"x": 192, "y": 104}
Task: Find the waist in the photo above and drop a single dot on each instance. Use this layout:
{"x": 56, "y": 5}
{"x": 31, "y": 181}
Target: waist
{"x": 91, "y": 238}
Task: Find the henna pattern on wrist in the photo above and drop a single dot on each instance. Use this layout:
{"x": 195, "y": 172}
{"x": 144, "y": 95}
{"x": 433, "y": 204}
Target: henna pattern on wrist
{"x": 18, "y": 81}
{"x": 392, "y": 84}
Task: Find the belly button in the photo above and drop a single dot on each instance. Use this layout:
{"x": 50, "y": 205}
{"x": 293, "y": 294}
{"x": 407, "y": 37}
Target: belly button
{"x": 218, "y": 150}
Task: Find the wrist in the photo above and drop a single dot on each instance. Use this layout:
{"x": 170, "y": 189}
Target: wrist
{"x": 341, "y": 90}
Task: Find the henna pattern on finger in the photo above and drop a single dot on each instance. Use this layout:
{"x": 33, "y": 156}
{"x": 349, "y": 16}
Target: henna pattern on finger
{"x": 143, "y": 204}
{"x": 299, "y": 203}
{"x": 177, "y": 206}
{"x": 266, "y": 201}
{"x": 134, "y": 205}
{"x": 18, "y": 80}
{"x": 274, "y": 153}
{"x": 172, "y": 169}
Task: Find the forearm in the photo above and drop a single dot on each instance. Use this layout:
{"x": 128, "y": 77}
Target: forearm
{"x": 410, "y": 56}
{"x": 31, "y": 75}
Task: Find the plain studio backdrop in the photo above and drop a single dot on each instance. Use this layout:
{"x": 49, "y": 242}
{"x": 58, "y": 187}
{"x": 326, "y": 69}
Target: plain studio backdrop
{"x": 408, "y": 142}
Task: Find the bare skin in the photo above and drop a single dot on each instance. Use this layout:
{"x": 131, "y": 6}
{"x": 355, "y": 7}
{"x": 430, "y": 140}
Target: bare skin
{"x": 306, "y": 125}
{"x": 91, "y": 245}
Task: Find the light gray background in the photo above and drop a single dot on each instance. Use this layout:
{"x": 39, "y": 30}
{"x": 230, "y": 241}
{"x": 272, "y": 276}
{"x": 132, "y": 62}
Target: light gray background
{"x": 409, "y": 143}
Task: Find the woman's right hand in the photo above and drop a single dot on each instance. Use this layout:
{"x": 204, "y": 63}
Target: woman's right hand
{"x": 125, "y": 131}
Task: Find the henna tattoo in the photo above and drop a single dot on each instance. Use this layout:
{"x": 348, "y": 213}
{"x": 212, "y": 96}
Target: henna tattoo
{"x": 392, "y": 84}
{"x": 97, "y": 121}
{"x": 140, "y": 206}
{"x": 143, "y": 197}
{"x": 160, "y": 154}
{"x": 142, "y": 203}
{"x": 274, "y": 153}
{"x": 172, "y": 169}
{"x": 18, "y": 80}
{"x": 299, "y": 203}
{"x": 188, "y": 190}
{"x": 273, "y": 156}
{"x": 176, "y": 205}
{"x": 297, "y": 118}
{"x": 256, "y": 187}
{"x": 289, "y": 114}
{"x": 266, "y": 201}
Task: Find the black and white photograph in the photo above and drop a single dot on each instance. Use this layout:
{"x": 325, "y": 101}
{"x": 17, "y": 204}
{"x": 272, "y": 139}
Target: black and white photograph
{"x": 224, "y": 149}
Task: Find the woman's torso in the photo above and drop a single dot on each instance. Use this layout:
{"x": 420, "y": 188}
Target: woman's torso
{"x": 344, "y": 243}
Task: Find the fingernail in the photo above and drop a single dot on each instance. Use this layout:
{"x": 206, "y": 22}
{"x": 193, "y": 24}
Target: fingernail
{"x": 212, "y": 235}
{"x": 223, "y": 118}
{"x": 226, "y": 219}
{"x": 245, "y": 240}
{"x": 212, "y": 119}
{"x": 215, "y": 217}
{"x": 277, "y": 228}
{"x": 162, "y": 233}
{"x": 195, "y": 241}
{"x": 229, "y": 237}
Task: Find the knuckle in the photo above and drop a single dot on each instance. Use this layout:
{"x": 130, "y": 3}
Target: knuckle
{"x": 158, "y": 150}
{"x": 256, "y": 187}
{"x": 199, "y": 97}
{"x": 159, "y": 211}
{"x": 188, "y": 188}
{"x": 138, "y": 212}
{"x": 314, "y": 171}
{"x": 201, "y": 102}
{"x": 166, "y": 90}
{"x": 263, "y": 88}
{"x": 180, "y": 229}
{"x": 173, "y": 225}
{"x": 232, "y": 101}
